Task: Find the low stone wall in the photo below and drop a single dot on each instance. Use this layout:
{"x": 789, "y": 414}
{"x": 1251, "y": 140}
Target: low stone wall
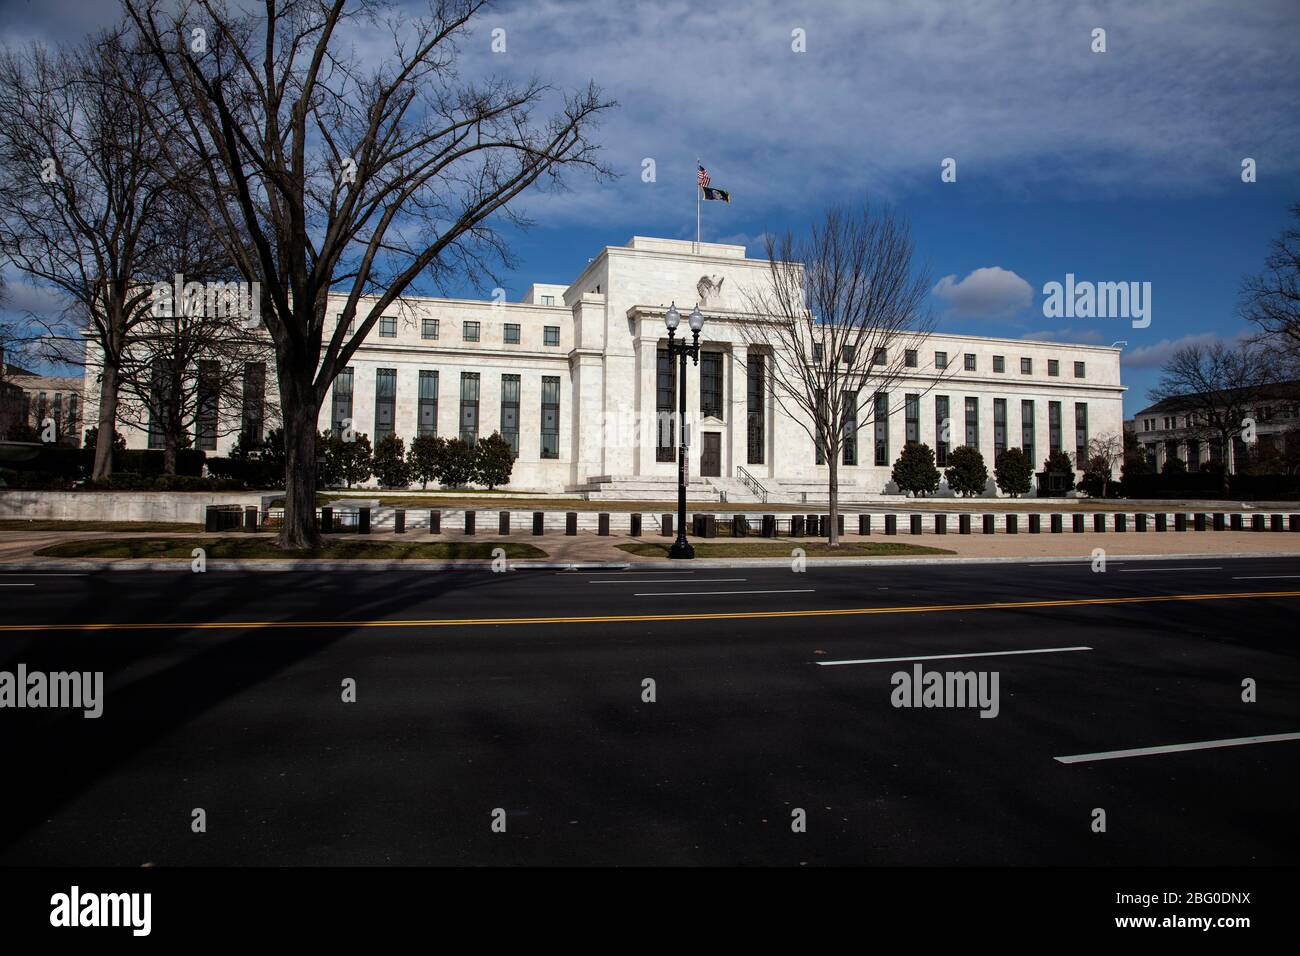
{"x": 119, "y": 505}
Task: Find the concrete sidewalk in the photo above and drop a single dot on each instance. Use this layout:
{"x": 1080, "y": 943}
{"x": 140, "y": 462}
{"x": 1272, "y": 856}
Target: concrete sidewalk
{"x": 588, "y": 549}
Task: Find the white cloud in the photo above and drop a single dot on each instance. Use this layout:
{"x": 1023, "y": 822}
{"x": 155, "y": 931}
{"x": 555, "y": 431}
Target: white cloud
{"x": 990, "y": 292}
{"x": 1158, "y": 353}
{"x": 1077, "y": 336}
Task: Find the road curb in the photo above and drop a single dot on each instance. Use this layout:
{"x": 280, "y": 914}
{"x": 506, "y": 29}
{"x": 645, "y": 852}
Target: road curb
{"x": 271, "y": 564}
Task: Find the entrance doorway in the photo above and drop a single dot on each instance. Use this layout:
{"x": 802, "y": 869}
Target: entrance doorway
{"x": 711, "y": 455}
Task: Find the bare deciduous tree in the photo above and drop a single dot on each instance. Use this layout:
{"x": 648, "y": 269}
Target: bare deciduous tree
{"x": 837, "y": 318}
{"x": 1271, "y": 299}
{"x": 184, "y": 364}
{"x": 1218, "y": 386}
{"x": 347, "y": 175}
{"x": 79, "y": 184}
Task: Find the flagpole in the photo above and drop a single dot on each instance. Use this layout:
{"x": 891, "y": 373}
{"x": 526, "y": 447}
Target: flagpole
{"x": 696, "y": 250}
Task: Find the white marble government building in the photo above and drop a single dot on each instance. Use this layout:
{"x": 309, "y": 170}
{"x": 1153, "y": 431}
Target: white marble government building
{"x": 576, "y": 378}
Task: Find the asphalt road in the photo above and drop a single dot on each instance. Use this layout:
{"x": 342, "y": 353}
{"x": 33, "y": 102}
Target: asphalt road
{"x": 223, "y": 692}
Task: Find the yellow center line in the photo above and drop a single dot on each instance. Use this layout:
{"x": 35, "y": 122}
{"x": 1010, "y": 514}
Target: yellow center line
{"x": 631, "y": 618}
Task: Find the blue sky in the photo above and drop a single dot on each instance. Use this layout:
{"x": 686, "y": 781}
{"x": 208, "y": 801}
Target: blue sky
{"x": 1115, "y": 166}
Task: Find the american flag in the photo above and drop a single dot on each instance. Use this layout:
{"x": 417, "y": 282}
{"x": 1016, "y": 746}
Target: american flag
{"x": 703, "y": 177}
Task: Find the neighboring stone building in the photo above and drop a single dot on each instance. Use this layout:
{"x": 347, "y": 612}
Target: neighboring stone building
{"x": 1168, "y": 429}
{"x": 576, "y": 377}
{"x": 57, "y": 398}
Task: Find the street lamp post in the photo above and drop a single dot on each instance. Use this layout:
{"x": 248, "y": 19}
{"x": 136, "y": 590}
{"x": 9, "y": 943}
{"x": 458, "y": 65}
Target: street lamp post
{"x": 681, "y": 547}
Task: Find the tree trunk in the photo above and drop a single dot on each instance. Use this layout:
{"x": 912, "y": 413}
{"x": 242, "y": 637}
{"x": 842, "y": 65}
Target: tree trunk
{"x": 833, "y": 461}
{"x": 299, "y": 530}
{"x": 169, "y": 452}
{"x": 106, "y": 422}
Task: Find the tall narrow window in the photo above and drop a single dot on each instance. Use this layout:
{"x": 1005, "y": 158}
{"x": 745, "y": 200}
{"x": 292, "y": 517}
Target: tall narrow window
{"x": 755, "y": 419}
{"x": 912, "y": 419}
{"x": 999, "y": 426}
{"x": 427, "y": 423}
{"x": 74, "y": 420}
{"x": 1080, "y": 434}
{"x": 510, "y": 411}
{"x": 550, "y": 416}
{"x": 849, "y": 400}
{"x": 1027, "y": 431}
{"x": 881, "y": 418}
{"x": 665, "y": 407}
{"x": 341, "y": 417}
{"x": 1053, "y": 427}
{"x": 205, "y": 421}
{"x": 711, "y": 384}
{"x": 254, "y": 400}
{"x": 469, "y": 407}
{"x": 973, "y": 422}
{"x": 159, "y": 386}
{"x": 385, "y": 401}
{"x": 942, "y": 424}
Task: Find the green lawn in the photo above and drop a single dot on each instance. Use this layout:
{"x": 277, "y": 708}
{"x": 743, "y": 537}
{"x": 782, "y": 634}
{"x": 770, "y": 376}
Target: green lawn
{"x": 778, "y": 549}
{"x": 57, "y": 524}
{"x": 262, "y": 548}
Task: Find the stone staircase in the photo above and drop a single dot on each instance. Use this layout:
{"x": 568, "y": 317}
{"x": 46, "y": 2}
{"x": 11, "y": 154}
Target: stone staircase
{"x": 644, "y": 488}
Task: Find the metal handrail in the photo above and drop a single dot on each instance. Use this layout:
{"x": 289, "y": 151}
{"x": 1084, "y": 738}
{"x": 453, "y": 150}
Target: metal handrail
{"x": 752, "y": 483}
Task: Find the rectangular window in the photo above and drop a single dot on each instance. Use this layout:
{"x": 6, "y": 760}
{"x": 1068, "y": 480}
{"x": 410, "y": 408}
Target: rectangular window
{"x": 817, "y": 352}
{"x": 1079, "y": 369}
{"x": 755, "y": 419}
{"x": 942, "y": 423}
{"x": 1026, "y": 366}
{"x": 970, "y": 361}
{"x": 973, "y": 422}
{"x": 999, "y": 363}
{"x": 711, "y": 384}
{"x": 341, "y": 416}
{"x": 912, "y": 418}
{"x": 881, "y": 418}
{"x": 159, "y": 391}
{"x": 512, "y": 333}
{"x": 428, "y": 410}
{"x": 470, "y": 331}
{"x": 1053, "y": 367}
{"x": 388, "y": 326}
{"x": 909, "y": 358}
{"x": 846, "y": 354}
{"x": 254, "y": 400}
{"x": 385, "y": 401}
{"x": 849, "y": 407}
{"x": 940, "y": 359}
{"x": 1053, "y": 427}
{"x": 469, "y": 407}
{"x": 428, "y": 328}
{"x": 205, "y": 423}
{"x": 551, "y": 335}
{"x": 665, "y": 407}
{"x": 548, "y": 300}
{"x": 338, "y": 320}
{"x": 510, "y": 411}
{"x": 1080, "y": 434}
{"x": 999, "y": 427}
{"x": 550, "y": 416}
{"x": 1027, "y": 431}
{"x": 879, "y": 357}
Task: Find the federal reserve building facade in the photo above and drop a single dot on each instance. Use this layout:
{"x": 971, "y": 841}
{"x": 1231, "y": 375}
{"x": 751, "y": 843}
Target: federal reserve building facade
{"x": 577, "y": 378}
